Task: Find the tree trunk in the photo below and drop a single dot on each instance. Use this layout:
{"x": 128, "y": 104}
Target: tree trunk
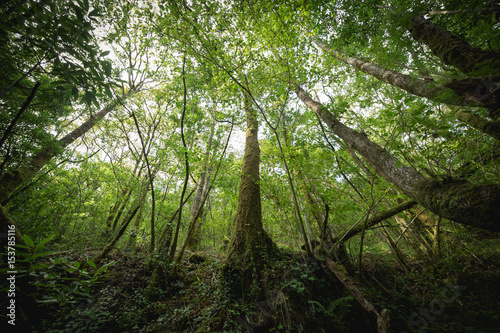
{"x": 413, "y": 85}
{"x": 457, "y": 200}
{"x": 470, "y": 60}
{"x": 132, "y": 240}
{"x": 116, "y": 217}
{"x": 197, "y": 210}
{"x": 200, "y": 196}
{"x": 10, "y": 180}
{"x": 374, "y": 220}
{"x": 340, "y": 272}
{"x": 471, "y": 92}
{"x": 159, "y": 274}
{"x": 249, "y": 238}
{"x": 492, "y": 128}
{"x": 9, "y": 227}
{"x": 123, "y": 227}
{"x": 132, "y": 211}
{"x": 452, "y": 50}
{"x": 25, "y": 105}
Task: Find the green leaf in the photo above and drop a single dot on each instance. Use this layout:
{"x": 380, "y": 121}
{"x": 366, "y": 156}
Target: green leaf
{"x": 28, "y": 240}
{"x": 42, "y": 254}
{"x": 94, "y": 12}
{"x": 40, "y": 245}
{"x": 79, "y": 13}
{"x": 89, "y": 98}
{"x": 91, "y": 263}
{"x": 72, "y": 289}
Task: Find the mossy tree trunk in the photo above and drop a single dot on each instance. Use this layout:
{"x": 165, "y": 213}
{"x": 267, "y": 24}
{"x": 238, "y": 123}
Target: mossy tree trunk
{"x": 452, "y": 50}
{"x": 250, "y": 243}
{"x": 458, "y": 53}
{"x": 457, "y": 200}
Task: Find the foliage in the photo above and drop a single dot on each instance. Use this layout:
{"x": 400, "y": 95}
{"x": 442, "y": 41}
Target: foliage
{"x": 77, "y": 58}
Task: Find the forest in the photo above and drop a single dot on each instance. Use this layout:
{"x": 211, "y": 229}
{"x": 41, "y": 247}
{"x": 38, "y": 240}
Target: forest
{"x": 250, "y": 166}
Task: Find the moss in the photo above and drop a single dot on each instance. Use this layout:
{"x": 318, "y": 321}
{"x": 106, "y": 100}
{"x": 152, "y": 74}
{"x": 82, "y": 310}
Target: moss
{"x": 452, "y": 50}
{"x": 11, "y": 180}
{"x": 463, "y": 202}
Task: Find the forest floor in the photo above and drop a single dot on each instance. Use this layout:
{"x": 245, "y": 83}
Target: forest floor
{"x": 459, "y": 294}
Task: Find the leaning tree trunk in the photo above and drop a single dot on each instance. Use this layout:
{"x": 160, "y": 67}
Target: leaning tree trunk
{"x": 457, "y": 200}
{"x": 10, "y": 180}
{"x": 458, "y": 53}
{"x": 452, "y": 50}
{"x": 457, "y": 93}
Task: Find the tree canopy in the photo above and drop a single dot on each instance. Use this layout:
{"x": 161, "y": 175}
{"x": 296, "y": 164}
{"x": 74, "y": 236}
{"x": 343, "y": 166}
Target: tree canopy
{"x": 246, "y": 129}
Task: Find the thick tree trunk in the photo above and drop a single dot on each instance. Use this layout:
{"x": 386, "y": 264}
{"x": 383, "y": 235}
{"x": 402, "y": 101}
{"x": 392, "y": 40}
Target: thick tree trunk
{"x": 452, "y": 50}
{"x": 457, "y": 200}
{"x": 492, "y": 128}
{"x": 250, "y": 239}
{"x": 470, "y": 60}
{"x": 10, "y": 180}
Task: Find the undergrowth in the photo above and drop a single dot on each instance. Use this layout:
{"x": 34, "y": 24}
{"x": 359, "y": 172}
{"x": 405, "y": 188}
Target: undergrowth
{"x": 455, "y": 294}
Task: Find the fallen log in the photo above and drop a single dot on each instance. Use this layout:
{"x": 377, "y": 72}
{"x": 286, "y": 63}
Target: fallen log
{"x": 340, "y": 272}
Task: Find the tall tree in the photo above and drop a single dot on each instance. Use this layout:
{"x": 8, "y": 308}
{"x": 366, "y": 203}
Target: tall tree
{"x": 250, "y": 245}
{"x": 454, "y": 199}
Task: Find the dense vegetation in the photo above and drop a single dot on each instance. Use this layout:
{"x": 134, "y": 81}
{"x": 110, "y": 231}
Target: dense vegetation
{"x": 250, "y": 166}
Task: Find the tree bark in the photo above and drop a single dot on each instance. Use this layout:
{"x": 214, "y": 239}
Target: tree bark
{"x": 9, "y": 224}
{"x": 458, "y": 53}
{"x": 492, "y": 128}
{"x": 197, "y": 209}
{"x": 413, "y": 85}
{"x": 452, "y": 50}
{"x": 23, "y": 108}
{"x": 10, "y": 180}
{"x": 457, "y": 200}
{"x": 249, "y": 234}
{"x": 469, "y": 92}
{"x": 340, "y": 272}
